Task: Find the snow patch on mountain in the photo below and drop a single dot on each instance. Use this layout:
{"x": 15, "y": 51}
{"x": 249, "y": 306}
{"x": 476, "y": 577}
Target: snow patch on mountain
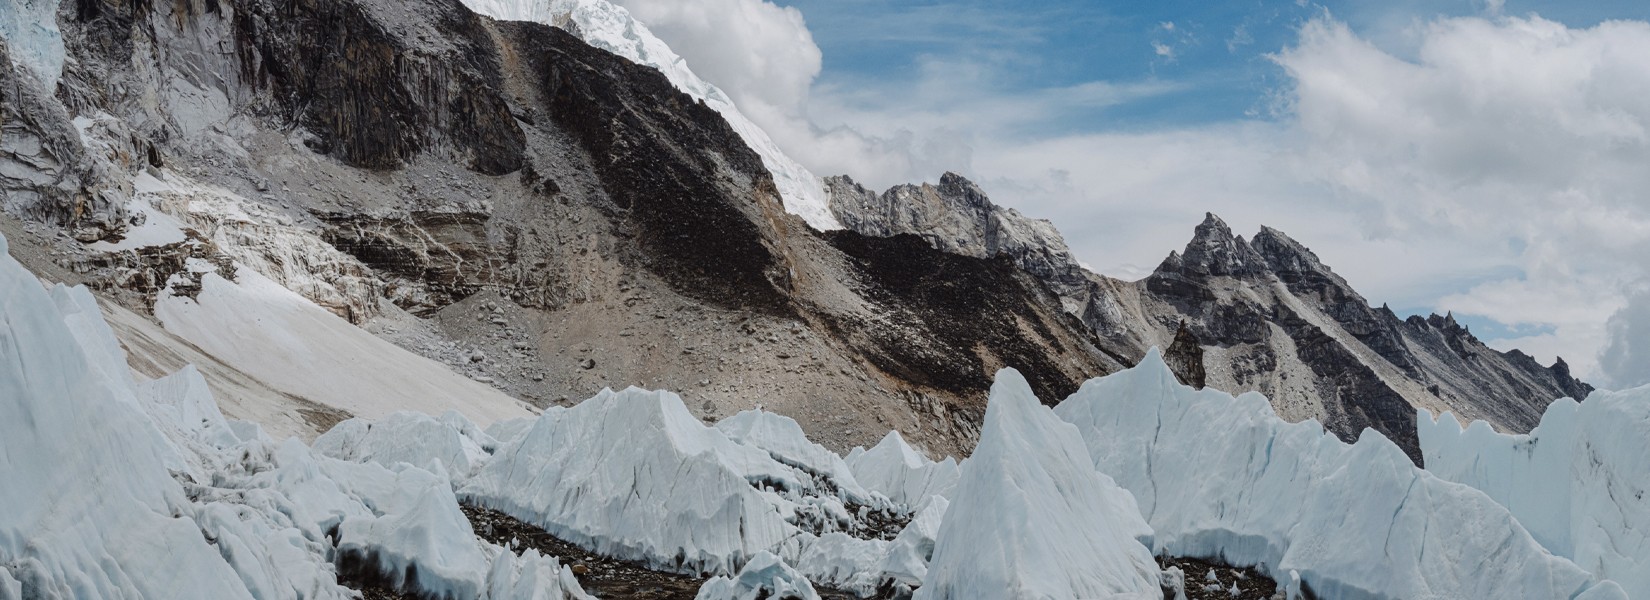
{"x": 272, "y": 333}
{"x": 609, "y": 27}
{"x": 1032, "y": 518}
{"x": 1580, "y": 482}
{"x": 1224, "y": 478}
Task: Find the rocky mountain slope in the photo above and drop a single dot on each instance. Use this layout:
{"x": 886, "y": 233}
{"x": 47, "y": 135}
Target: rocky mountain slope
{"x": 532, "y": 213}
{"x": 1241, "y": 315}
{"x": 523, "y": 216}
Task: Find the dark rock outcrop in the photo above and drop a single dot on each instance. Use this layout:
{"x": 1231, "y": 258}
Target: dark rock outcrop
{"x": 1185, "y": 358}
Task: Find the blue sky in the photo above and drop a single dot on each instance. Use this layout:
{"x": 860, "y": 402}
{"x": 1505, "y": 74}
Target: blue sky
{"x": 1219, "y": 61}
{"x": 1461, "y": 155}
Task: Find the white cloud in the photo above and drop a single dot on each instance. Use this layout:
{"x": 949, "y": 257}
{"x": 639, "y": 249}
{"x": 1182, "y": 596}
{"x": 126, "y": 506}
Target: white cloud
{"x": 1626, "y": 358}
{"x": 1518, "y": 136}
{"x": 1492, "y": 165}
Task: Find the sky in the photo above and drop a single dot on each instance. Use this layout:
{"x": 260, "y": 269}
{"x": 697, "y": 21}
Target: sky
{"x": 1486, "y": 158}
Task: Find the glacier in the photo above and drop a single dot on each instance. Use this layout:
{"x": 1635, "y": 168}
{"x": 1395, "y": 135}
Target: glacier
{"x": 609, "y": 27}
{"x": 1224, "y": 478}
{"x": 1032, "y": 518}
{"x": 1578, "y": 481}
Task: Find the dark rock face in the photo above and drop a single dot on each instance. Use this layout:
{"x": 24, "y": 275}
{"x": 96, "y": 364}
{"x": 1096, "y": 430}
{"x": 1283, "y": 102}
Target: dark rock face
{"x": 441, "y": 257}
{"x": 950, "y": 321}
{"x": 664, "y": 161}
{"x": 1185, "y": 358}
{"x": 373, "y": 99}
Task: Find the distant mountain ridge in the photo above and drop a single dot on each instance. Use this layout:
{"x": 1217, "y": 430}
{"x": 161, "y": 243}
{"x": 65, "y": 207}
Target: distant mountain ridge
{"x": 1267, "y": 315}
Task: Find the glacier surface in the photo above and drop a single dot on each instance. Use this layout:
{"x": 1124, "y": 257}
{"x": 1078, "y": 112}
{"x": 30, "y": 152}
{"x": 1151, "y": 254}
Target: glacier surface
{"x": 1224, "y": 478}
{"x": 610, "y": 27}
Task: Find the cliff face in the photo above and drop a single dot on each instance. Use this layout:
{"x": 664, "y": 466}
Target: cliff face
{"x": 536, "y": 213}
{"x": 1240, "y": 315}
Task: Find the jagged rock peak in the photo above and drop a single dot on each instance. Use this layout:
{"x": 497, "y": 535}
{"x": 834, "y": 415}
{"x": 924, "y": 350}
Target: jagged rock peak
{"x": 1215, "y": 251}
{"x": 1283, "y": 254}
{"x": 963, "y": 191}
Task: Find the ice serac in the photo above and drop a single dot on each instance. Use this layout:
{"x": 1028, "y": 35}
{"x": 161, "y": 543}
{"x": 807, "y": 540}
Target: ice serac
{"x": 782, "y": 438}
{"x": 1224, "y": 478}
{"x": 89, "y": 505}
{"x": 1579, "y": 481}
{"x": 413, "y": 438}
{"x": 120, "y": 489}
{"x": 1031, "y": 518}
{"x": 898, "y": 471}
{"x": 632, "y": 474}
{"x": 765, "y": 576}
{"x": 612, "y": 28}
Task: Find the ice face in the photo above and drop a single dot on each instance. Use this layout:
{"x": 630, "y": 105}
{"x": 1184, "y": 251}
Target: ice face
{"x": 1580, "y": 481}
{"x": 1223, "y": 477}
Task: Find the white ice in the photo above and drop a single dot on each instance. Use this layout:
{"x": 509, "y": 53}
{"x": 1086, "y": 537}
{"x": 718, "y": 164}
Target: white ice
{"x": 118, "y": 489}
{"x": 1224, "y": 478}
{"x": 32, "y": 38}
{"x": 1580, "y": 481}
{"x": 1031, "y": 518}
{"x": 633, "y": 474}
{"x": 765, "y": 576}
{"x": 898, "y": 471}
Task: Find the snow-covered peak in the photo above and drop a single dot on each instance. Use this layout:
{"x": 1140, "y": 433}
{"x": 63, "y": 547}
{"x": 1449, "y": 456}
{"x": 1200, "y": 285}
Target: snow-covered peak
{"x": 610, "y": 27}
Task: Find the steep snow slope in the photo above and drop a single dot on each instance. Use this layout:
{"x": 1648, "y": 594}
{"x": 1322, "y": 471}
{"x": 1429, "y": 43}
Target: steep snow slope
{"x": 1225, "y": 478}
{"x": 1032, "y": 519}
{"x": 1579, "y": 481}
{"x": 611, "y": 28}
{"x": 267, "y": 331}
{"x": 114, "y": 489}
